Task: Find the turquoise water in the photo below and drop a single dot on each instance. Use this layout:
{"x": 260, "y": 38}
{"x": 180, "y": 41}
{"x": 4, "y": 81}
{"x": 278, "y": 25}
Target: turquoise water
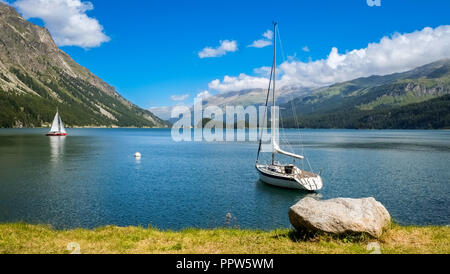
{"x": 91, "y": 178}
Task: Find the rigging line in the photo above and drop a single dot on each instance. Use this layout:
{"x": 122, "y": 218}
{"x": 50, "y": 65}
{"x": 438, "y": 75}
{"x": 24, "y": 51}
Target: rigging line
{"x": 265, "y": 113}
{"x": 297, "y": 124}
{"x": 309, "y": 164}
{"x": 294, "y": 109}
{"x": 284, "y": 140}
{"x": 284, "y": 59}
{"x": 274, "y": 89}
{"x": 300, "y": 133}
{"x": 294, "y": 113}
{"x": 281, "y": 45}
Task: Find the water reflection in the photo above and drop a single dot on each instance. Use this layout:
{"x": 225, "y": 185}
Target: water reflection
{"x": 56, "y": 148}
{"x": 137, "y": 161}
{"x": 294, "y": 195}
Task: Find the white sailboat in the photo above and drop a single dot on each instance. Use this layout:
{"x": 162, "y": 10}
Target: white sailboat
{"x": 275, "y": 173}
{"x": 57, "y": 128}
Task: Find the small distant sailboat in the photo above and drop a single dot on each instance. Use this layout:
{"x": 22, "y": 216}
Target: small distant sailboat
{"x": 58, "y": 128}
{"x": 275, "y": 173}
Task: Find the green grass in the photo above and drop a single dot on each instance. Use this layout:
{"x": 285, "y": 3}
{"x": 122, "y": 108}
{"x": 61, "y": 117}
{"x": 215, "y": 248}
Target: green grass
{"x": 30, "y": 239}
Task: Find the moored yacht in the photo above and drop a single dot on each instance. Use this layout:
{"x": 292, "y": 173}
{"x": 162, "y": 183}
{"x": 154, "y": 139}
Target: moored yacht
{"x": 275, "y": 173}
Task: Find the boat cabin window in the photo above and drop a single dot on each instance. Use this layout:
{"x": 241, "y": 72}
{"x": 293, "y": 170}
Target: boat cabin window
{"x": 288, "y": 169}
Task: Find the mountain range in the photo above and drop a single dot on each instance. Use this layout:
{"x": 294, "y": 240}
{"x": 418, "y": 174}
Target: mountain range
{"x": 414, "y": 99}
{"x": 245, "y": 97}
{"x": 36, "y": 78}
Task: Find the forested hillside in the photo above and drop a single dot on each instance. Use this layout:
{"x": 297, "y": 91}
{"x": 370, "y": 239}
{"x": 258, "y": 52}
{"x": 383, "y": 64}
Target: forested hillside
{"x": 36, "y": 78}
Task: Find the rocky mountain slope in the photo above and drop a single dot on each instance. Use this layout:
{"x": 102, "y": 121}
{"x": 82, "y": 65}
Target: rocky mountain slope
{"x": 36, "y": 77}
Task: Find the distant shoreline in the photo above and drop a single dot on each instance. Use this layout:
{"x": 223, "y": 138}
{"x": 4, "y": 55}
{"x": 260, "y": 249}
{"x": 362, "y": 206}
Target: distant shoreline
{"x": 87, "y": 127}
{"x": 108, "y": 127}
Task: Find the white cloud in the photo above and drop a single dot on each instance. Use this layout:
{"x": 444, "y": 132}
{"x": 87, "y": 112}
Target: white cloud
{"x": 225, "y": 46}
{"x": 261, "y": 43}
{"x": 241, "y": 82}
{"x": 203, "y": 95}
{"x": 66, "y": 20}
{"x": 268, "y": 34}
{"x": 305, "y": 49}
{"x": 263, "y": 71}
{"x": 181, "y": 97}
{"x": 398, "y": 53}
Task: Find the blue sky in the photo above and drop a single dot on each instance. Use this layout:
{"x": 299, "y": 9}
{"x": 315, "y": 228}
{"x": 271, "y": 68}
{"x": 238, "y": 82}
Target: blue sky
{"x": 151, "y": 49}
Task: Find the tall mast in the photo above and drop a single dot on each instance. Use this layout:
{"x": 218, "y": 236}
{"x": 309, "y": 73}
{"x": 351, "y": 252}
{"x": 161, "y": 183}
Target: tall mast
{"x": 266, "y": 110}
{"x": 274, "y": 80}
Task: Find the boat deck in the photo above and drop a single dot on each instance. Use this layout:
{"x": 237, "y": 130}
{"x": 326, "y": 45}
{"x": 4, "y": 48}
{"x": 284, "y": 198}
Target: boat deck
{"x": 305, "y": 174}
{"x": 279, "y": 170}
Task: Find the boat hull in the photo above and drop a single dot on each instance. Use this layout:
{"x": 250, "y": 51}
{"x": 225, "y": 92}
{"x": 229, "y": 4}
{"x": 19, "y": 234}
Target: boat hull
{"x": 280, "y": 182}
{"x": 284, "y": 181}
{"x": 56, "y": 134}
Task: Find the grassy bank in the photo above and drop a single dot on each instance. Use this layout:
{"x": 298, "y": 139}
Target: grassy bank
{"x": 25, "y": 238}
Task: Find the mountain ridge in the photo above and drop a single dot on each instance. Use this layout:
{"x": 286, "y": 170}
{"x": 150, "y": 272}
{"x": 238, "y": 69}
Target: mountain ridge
{"x": 362, "y": 102}
{"x": 36, "y": 77}
{"x": 418, "y": 98}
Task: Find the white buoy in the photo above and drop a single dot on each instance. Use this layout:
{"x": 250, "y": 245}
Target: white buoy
{"x": 137, "y": 155}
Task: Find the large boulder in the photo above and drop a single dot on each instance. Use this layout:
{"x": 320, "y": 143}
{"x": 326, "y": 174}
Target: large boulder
{"x": 340, "y": 215}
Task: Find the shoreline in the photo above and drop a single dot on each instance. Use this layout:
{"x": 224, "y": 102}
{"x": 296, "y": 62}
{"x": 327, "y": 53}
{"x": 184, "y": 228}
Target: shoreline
{"x": 23, "y": 238}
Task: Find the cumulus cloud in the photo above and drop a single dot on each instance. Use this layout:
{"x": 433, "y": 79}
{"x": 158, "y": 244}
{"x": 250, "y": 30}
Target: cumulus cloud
{"x": 181, "y": 97}
{"x": 305, "y": 49}
{"x": 243, "y": 81}
{"x": 261, "y": 43}
{"x": 397, "y": 53}
{"x": 225, "y": 46}
{"x": 66, "y": 20}
{"x": 203, "y": 95}
{"x": 262, "y": 71}
{"x": 268, "y": 34}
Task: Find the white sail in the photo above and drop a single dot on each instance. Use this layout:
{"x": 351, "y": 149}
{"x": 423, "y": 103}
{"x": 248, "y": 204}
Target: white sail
{"x": 62, "y": 129}
{"x": 277, "y": 149}
{"x": 55, "y": 124}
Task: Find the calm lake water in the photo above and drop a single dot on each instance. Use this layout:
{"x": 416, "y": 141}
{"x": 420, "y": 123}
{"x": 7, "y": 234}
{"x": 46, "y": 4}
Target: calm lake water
{"x": 91, "y": 178}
